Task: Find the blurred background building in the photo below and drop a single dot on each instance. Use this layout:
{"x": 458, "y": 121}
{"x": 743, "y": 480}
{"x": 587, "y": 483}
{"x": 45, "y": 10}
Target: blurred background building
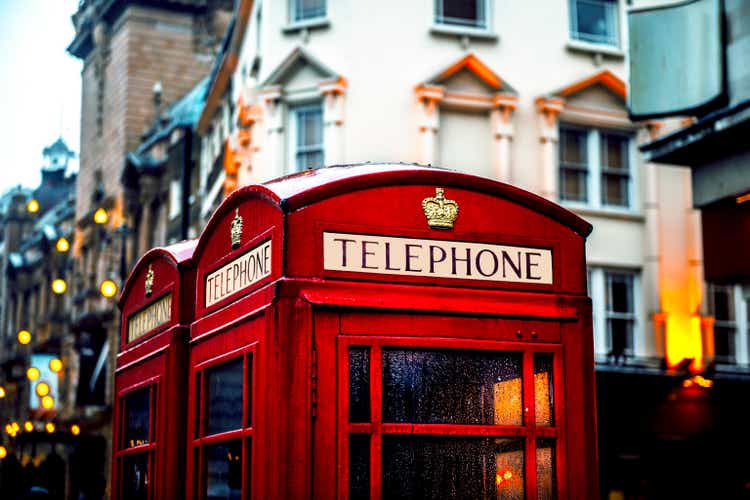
{"x": 184, "y": 101}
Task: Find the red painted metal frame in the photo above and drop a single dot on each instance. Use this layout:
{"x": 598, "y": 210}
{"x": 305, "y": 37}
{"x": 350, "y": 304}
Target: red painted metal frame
{"x": 297, "y": 321}
{"x": 156, "y": 360}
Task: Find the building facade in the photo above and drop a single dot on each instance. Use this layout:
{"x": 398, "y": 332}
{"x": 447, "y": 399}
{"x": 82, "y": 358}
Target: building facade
{"x": 530, "y": 94}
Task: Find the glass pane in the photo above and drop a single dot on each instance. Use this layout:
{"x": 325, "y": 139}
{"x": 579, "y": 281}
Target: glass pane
{"x": 546, "y": 471}
{"x": 359, "y": 384}
{"x": 249, "y": 390}
{"x": 723, "y": 304}
{"x": 724, "y": 342}
{"x": 544, "y": 390}
{"x": 614, "y": 152}
{"x": 620, "y": 331}
{"x": 224, "y": 470}
{"x": 359, "y": 466}
{"x": 461, "y": 11}
{"x": 309, "y": 160}
{"x": 573, "y": 185}
{"x": 135, "y": 476}
{"x": 309, "y": 126}
{"x": 437, "y": 467}
{"x": 308, "y": 9}
{"x": 452, "y": 387}
{"x": 137, "y": 418}
{"x": 595, "y": 21}
{"x": 615, "y": 190}
{"x": 573, "y": 147}
{"x": 224, "y": 397}
{"x": 620, "y": 292}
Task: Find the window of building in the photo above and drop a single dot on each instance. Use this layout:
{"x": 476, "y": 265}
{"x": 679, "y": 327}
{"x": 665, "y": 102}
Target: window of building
{"x": 467, "y": 13}
{"x": 595, "y": 167}
{"x": 223, "y": 441}
{"x": 722, "y": 307}
{"x": 304, "y": 10}
{"x": 307, "y": 136}
{"x": 594, "y": 21}
{"x": 614, "y": 294}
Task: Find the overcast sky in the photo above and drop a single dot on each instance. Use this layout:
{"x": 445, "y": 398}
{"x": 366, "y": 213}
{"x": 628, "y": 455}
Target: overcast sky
{"x": 40, "y": 85}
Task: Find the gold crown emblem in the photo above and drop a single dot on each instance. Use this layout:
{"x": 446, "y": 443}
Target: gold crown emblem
{"x": 236, "y": 228}
{"x": 149, "y": 283}
{"x": 439, "y": 210}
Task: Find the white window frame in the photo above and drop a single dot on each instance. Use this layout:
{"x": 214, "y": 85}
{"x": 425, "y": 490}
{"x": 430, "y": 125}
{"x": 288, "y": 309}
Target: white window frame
{"x": 292, "y": 119}
{"x": 613, "y": 7}
{"x": 594, "y": 184}
{"x": 739, "y": 322}
{"x": 175, "y": 198}
{"x": 294, "y": 8}
{"x": 483, "y": 20}
{"x": 598, "y": 290}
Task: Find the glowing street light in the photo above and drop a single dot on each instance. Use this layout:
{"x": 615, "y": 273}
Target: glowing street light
{"x": 24, "y": 337}
{"x": 3, "y": 452}
{"x": 55, "y": 365}
{"x": 62, "y": 245}
{"x": 108, "y": 288}
{"x": 42, "y": 389}
{"x": 28, "y": 426}
{"x": 32, "y": 373}
{"x": 2, "y": 392}
{"x": 75, "y": 429}
{"x": 101, "y": 216}
{"x": 50, "y": 427}
{"x": 15, "y": 426}
{"x": 59, "y": 286}
{"x": 32, "y": 206}
{"x": 48, "y": 402}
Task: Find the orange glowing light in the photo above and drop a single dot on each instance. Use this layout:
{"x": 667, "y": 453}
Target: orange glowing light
{"x": 15, "y": 426}
{"x": 32, "y": 373}
{"x": 28, "y": 426}
{"x": 50, "y": 427}
{"x": 108, "y": 288}
{"x": 503, "y": 477}
{"x": 62, "y": 245}
{"x": 48, "y": 402}
{"x": 699, "y": 381}
{"x": 684, "y": 341}
{"x": 8, "y": 428}
{"x": 743, "y": 198}
{"x": 24, "y": 337}
{"x": 2, "y": 392}
{"x": 59, "y": 286}
{"x": 32, "y": 206}
{"x": 101, "y": 216}
{"x": 55, "y": 365}
{"x": 75, "y": 429}
{"x": 42, "y": 389}
{"x": 3, "y": 452}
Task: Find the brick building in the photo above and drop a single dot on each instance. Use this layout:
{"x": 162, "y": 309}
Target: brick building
{"x": 129, "y": 49}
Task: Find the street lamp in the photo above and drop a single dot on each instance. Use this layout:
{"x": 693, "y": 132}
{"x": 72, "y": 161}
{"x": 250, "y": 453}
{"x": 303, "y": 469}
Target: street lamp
{"x": 50, "y": 427}
{"x": 32, "y": 373}
{"x": 75, "y": 429}
{"x": 108, "y": 288}
{"x": 59, "y": 286}
{"x": 48, "y": 402}
{"x": 42, "y": 389}
{"x": 32, "y": 206}
{"x": 101, "y": 216}
{"x": 55, "y": 365}
{"x": 62, "y": 245}
{"x": 24, "y": 337}
{"x": 28, "y": 426}
{"x": 2, "y": 392}
{"x": 3, "y": 452}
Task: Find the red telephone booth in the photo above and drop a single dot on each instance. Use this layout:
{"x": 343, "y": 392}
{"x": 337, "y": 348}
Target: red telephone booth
{"x": 391, "y": 331}
{"x": 149, "y": 420}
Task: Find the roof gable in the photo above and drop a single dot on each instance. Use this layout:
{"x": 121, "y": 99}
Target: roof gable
{"x": 605, "y": 78}
{"x": 299, "y": 63}
{"x": 466, "y": 68}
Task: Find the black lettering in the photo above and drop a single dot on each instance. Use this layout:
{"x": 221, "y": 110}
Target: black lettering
{"x": 388, "y": 258}
{"x": 365, "y": 253}
{"x": 530, "y": 264}
{"x": 208, "y": 289}
{"x": 251, "y": 267}
{"x": 455, "y": 259}
{"x": 343, "y": 241}
{"x": 267, "y": 258}
{"x": 433, "y": 260}
{"x": 495, "y": 262}
{"x": 243, "y": 271}
{"x": 260, "y": 266}
{"x": 515, "y": 266}
{"x": 409, "y": 257}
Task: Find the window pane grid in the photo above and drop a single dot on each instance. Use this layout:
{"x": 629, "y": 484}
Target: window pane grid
{"x": 307, "y": 9}
{"x": 430, "y": 444}
{"x": 620, "y": 313}
{"x": 308, "y": 151}
{"x": 594, "y": 21}
{"x": 468, "y": 13}
{"x": 722, "y": 308}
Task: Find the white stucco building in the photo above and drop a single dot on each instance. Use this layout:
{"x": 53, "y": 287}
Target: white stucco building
{"x": 531, "y": 93}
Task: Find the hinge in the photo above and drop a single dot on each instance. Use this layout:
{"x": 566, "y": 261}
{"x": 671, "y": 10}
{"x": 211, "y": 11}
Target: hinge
{"x": 314, "y": 384}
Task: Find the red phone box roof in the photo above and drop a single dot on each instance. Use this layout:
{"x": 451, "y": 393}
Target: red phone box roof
{"x": 388, "y": 223}
{"x": 159, "y": 293}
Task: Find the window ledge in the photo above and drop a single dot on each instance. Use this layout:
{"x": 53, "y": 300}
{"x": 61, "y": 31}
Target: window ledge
{"x": 318, "y": 22}
{"x": 610, "y": 213}
{"x": 461, "y": 31}
{"x": 595, "y": 48}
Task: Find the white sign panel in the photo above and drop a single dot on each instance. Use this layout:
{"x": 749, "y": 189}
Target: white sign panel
{"x": 360, "y": 253}
{"x": 149, "y": 318}
{"x": 242, "y": 272}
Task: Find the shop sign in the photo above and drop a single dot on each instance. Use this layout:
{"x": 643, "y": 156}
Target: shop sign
{"x": 239, "y": 274}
